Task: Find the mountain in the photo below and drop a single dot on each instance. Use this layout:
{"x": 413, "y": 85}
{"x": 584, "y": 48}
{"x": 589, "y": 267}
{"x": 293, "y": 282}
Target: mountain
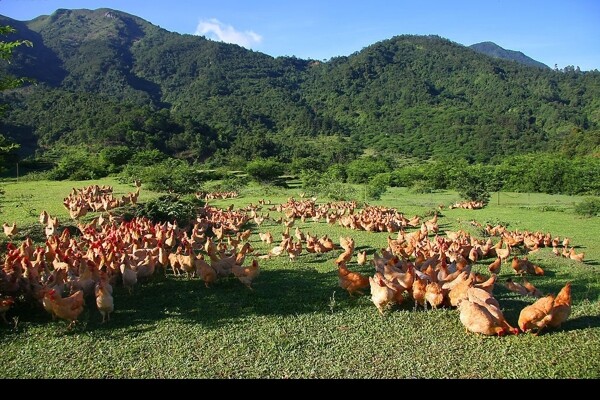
{"x": 107, "y": 78}
{"x": 493, "y": 50}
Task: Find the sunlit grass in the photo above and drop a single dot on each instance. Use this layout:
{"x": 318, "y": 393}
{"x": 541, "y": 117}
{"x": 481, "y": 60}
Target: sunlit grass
{"x": 297, "y": 322}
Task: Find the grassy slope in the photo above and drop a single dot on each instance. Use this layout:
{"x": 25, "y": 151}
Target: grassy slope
{"x": 299, "y": 323}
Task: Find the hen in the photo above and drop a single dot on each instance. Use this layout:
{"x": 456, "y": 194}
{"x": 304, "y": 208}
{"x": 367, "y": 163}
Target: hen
{"x": 5, "y": 305}
{"x": 68, "y": 308}
{"x": 536, "y": 316}
{"x": 104, "y": 299}
{"x": 434, "y": 294}
{"x": 246, "y": 274}
{"x": 353, "y": 282}
{"x": 478, "y": 319}
{"x": 381, "y": 292}
{"x": 205, "y": 271}
{"x": 561, "y": 309}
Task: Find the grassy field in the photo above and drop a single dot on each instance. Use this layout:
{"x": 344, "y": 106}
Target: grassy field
{"x": 297, "y": 323}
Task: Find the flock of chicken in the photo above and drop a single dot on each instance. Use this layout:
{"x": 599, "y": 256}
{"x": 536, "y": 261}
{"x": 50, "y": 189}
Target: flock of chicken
{"x": 61, "y": 274}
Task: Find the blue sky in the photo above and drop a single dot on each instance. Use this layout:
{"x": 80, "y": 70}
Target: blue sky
{"x": 563, "y": 32}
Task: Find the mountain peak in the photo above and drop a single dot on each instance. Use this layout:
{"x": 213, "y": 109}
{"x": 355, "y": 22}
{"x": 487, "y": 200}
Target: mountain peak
{"x": 493, "y": 50}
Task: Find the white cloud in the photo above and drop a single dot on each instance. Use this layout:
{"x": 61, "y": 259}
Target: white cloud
{"x": 217, "y": 30}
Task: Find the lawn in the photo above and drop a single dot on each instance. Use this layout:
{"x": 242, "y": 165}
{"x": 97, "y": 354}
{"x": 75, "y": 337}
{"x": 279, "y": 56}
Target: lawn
{"x": 297, "y": 322}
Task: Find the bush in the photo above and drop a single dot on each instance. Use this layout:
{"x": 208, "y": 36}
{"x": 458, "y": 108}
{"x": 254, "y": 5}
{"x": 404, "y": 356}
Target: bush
{"x": 78, "y": 166}
{"x": 362, "y": 170}
{"x": 589, "y": 207}
{"x": 264, "y": 170}
{"x": 378, "y": 186}
{"x": 169, "y": 208}
{"x": 168, "y": 175}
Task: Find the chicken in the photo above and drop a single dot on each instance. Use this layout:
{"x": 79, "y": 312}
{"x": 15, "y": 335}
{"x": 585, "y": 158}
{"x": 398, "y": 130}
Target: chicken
{"x": 532, "y": 290}
{"x": 361, "y": 258}
{"x": 572, "y": 255}
{"x": 418, "y": 291}
{"x": 246, "y": 274}
{"x": 478, "y": 319}
{"x": 494, "y": 267}
{"x": 104, "y": 299}
{"x": 353, "y": 282}
{"x": 561, "y": 309}
{"x": 10, "y": 230}
{"x": 434, "y": 294}
{"x": 536, "y": 316}
{"x": 266, "y": 237}
{"x": 516, "y": 287}
{"x": 459, "y": 291}
{"x": 488, "y": 285}
{"x": 205, "y": 271}
{"x": 68, "y": 308}
{"x": 5, "y": 304}
{"x": 485, "y": 299}
{"x": 128, "y": 275}
{"x": 381, "y": 293}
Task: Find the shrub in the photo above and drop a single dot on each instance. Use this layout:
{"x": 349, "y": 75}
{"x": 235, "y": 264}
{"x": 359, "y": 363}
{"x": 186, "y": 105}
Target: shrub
{"x": 78, "y": 166}
{"x": 169, "y": 208}
{"x": 378, "y": 186}
{"x": 169, "y": 175}
{"x": 362, "y": 170}
{"x": 589, "y": 207}
{"x": 264, "y": 170}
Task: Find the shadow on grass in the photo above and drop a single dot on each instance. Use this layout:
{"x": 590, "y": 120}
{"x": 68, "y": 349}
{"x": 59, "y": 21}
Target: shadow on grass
{"x": 275, "y": 292}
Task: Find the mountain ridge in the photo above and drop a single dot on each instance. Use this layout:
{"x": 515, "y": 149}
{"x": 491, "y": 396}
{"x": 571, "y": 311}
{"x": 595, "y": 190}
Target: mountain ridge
{"x": 493, "y": 50}
{"x": 108, "y": 78}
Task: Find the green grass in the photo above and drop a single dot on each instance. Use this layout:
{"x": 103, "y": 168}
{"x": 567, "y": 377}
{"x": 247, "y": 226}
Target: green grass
{"x": 297, "y": 322}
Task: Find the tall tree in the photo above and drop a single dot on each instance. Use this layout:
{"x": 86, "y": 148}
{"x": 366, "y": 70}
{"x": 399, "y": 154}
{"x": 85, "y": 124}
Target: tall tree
{"x": 8, "y": 82}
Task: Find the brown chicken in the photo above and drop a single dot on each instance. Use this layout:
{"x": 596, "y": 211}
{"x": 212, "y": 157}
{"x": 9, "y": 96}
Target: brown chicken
{"x": 246, "y": 274}
{"x": 67, "y": 308}
{"x": 536, "y": 316}
{"x": 361, "y": 258}
{"x": 10, "y": 230}
{"x": 516, "y": 287}
{"x": 494, "y": 267}
{"x": 488, "y": 285}
{"x": 5, "y": 305}
{"x": 576, "y": 256}
{"x": 531, "y": 289}
{"x": 485, "y": 299}
{"x": 353, "y": 282}
{"x": 478, "y": 319}
{"x": 382, "y": 293}
{"x": 561, "y": 309}
{"x": 205, "y": 271}
{"x": 104, "y": 299}
{"x": 418, "y": 291}
{"x": 434, "y": 294}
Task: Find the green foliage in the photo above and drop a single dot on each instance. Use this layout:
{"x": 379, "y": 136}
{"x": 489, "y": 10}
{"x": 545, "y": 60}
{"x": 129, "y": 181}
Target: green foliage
{"x": 170, "y": 174}
{"x": 362, "y": 170}
{"x": 121, "y": 81}
{"x": 78, "y": 165}
{"x": 589, "y": 207}
{"x": 169, "y": 208}
{"x": 377, "y": 186}
{"x": 264, "y": 170}
{"x": 115, "y": 157}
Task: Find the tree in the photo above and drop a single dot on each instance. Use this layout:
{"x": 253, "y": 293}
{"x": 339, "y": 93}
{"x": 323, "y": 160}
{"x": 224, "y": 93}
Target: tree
{"x": 8, "y": 147}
